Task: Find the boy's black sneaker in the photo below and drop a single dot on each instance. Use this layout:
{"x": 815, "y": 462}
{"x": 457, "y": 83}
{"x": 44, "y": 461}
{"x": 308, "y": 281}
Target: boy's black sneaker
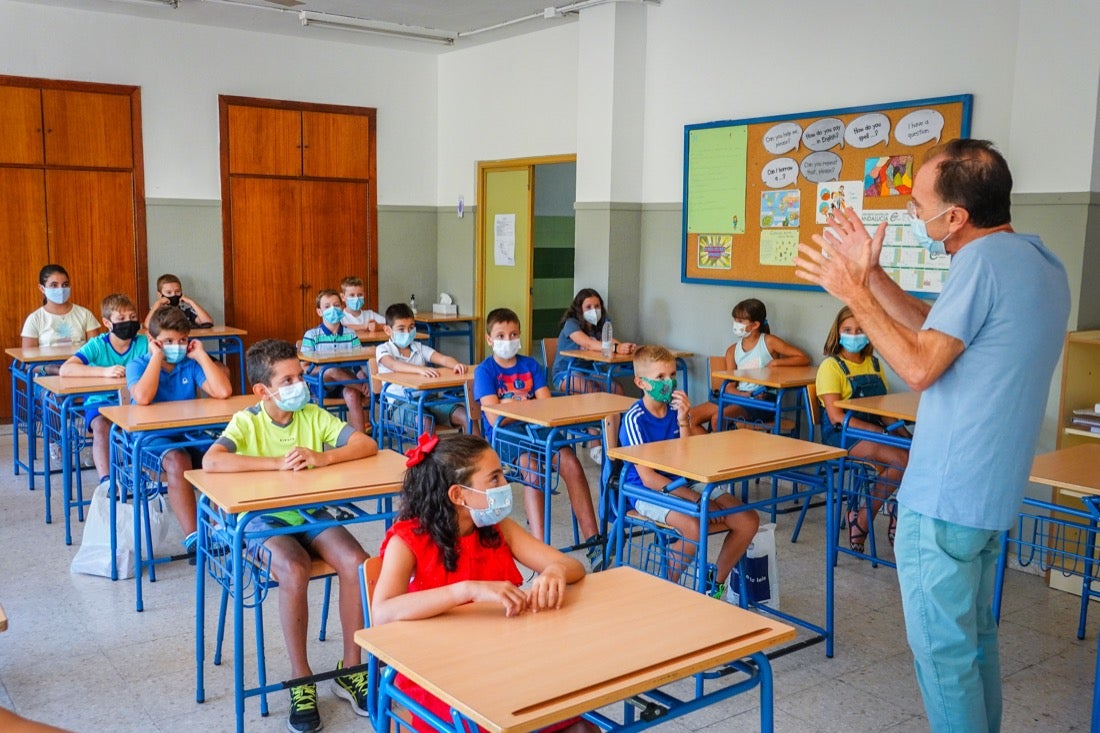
{"x": 353, "y": 688}
{"x": 304, "y": 716}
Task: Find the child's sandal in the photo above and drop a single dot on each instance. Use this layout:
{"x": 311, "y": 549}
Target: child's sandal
{"x": 857, "y": 535}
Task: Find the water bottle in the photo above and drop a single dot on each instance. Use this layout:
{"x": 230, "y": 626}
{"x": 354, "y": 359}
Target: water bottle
{"x": 607, "y": 347}
{"x": 412, "y": 303}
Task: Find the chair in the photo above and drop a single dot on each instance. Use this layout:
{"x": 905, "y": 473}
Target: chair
{"x": 549, "y": 354}
{"x": 787, "y": 426}
{"x": 368, "y": 580}
{"x": 473, "y": 411}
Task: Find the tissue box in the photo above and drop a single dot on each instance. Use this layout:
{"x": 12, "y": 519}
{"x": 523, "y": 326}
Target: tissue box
{"x": 445, "y": 309}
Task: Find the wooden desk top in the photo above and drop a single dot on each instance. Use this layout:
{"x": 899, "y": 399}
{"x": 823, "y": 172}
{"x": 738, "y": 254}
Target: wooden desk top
{"x": 725, "y": 456}
{"x": 614, "y": 358}
{"x": 181, "y": 414}
{"x": 777, "y": 377}
{"x": 619, "y": 632}
{"x": 264, "y": 490}
{"x": 41, "y": 354}
{"x": 446, "y": 378}
{"x": 363, "y": 354}
{"x": 566, "y": 410}
{"x": 80, "y": 385}
{"x": 1075, "y": 469}
{"x": 430, "y": 317}
{"x": 201, "y": 333}
{"x": 895, "y": 405}
{"x": 379, "y": 336}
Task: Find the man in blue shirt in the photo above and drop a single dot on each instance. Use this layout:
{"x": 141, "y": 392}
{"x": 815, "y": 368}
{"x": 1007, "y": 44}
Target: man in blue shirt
{"x": 984, "y": 355}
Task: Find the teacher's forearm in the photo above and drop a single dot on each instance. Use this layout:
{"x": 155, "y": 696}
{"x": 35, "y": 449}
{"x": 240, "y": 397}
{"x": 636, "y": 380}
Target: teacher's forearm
{"x": 898, "y": 304}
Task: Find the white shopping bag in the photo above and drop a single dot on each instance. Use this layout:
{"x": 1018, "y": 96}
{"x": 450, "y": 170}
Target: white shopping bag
{"x": 761, "y": 571}
{"x": 94, "y": 555}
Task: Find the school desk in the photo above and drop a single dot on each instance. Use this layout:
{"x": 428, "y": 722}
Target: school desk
{"x": 419, "y": 394}
{"x": 227, "y": 342}
{"x": 543, "y": 427}
{"x": 437, "y": 326}
{"x": 140, "y": 435}
{"x": 776, "y": 381}
{"x": 322, "y": 360}
{"x": 63, "y": 423}
{"x": 898, "y": 408}
{"x": 619, "y": 635}
{"x": 25, "y": 364}
{"x": 712, "y": 460}
{"x": 379, "y": 336}
{"x": 606, "y": 368}
{"x": 228, "y": 501}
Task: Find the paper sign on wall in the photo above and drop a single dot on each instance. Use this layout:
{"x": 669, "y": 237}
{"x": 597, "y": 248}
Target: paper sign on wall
{"x": 504, "y": 240}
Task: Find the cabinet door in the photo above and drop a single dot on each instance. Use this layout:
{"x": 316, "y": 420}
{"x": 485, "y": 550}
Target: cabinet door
{"x": 20, "y": 125}
{"x": 265, "y": 141}
{"x": 90, "y": 218}
{"x": 335, "y": 226}
{"x": 266, "y": 289}
{"x": 87, "y": 129}
{"x": 335, "y": 145}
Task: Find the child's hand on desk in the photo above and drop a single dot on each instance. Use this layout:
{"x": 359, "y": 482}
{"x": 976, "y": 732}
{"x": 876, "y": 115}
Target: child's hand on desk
{"x": 460, "y": 368}
{"x": 625, "y": 347}
{"x": 372, "y": 326}
{"x": 547, "y": 590}
{"x": 300, "y": 458}
{"x": 428, "y": 372}
{"x": 114, "y": 372}
{"x": 500, "y": 591}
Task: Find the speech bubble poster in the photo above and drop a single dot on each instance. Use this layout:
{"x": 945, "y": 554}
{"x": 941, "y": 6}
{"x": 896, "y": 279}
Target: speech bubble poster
{"x": 780, "y": 209}
{"x": 837, "y": 196}
{"x": 888, "y": 176}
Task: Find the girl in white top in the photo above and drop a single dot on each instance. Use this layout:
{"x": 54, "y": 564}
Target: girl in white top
{"x": 755, "y": 348}
{"x": 58, "y": 322}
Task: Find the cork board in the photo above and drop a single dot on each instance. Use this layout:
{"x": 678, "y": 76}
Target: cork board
{"x": 754, "y": 188}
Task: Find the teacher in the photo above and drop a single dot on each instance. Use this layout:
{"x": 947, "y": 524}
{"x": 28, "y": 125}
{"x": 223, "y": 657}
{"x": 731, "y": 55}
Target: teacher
{"x": 983, "y": 354}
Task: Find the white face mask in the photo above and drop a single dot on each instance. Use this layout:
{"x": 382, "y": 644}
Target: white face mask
{"x": 740, "y": 330}
{"x": 593, "y": 315}
{"x": 506, "y": 348}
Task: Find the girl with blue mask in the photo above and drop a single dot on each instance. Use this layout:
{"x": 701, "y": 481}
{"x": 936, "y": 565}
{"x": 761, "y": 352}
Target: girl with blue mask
{"x": 453, "y": 543}
{"x": 850, "y": 371}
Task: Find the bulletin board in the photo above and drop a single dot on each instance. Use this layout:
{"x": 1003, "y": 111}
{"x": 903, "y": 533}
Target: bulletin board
{"x": 755, "y": 188}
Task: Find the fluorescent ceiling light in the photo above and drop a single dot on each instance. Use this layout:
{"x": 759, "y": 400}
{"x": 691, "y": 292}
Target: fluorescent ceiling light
{"x": 362, "y": 25}
{"x": 174, "y": 4}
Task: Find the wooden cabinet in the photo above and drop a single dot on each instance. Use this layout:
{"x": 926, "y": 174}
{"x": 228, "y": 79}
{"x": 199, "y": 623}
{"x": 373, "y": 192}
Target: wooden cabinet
{"x": 299, "y": 210}
{"x": 71, "y": 192}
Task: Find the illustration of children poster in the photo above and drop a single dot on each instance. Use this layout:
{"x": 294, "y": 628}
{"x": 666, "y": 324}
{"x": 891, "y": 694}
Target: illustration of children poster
{"x": 779, "y": 209}
{"x": 836, "y": 195}
{"x": 888, "y": 176}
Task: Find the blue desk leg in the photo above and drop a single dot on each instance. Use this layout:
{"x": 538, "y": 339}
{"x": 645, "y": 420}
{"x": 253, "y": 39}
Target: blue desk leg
{"x": 200, "y": 604}
{"x": 831, "y": 530}
{"x": 767, "y": 692}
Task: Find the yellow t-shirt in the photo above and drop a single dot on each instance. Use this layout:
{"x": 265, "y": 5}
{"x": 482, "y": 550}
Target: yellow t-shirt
{"x": 832, "y": 380}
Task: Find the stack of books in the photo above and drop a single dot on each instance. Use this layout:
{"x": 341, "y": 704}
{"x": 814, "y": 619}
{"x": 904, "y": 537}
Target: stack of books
{"x": 1086, "y": 419}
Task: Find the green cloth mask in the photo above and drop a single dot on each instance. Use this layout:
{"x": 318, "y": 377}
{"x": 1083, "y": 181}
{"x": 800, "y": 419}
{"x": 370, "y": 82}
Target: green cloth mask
{"x": 660, "y": 389}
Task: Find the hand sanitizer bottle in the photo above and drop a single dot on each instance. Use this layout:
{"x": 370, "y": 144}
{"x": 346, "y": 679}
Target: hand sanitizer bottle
{"x": 412, "y": 303}
{"x": 607, "y": 347}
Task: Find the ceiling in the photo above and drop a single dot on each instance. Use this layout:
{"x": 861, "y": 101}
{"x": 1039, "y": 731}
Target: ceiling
{"x": 470, "y": 22}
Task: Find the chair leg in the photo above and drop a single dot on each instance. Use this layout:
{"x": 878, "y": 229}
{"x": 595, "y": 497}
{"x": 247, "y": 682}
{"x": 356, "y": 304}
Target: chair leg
{"x": 324, "y": 607}
{"x": 221, "y": 625}
{"x": 261, "y": 658}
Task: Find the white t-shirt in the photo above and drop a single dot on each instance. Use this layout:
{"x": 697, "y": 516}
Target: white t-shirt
{"x": 420, "y": 355}
{"x": 54, "y": 330}
{"x": 365, "y": 316}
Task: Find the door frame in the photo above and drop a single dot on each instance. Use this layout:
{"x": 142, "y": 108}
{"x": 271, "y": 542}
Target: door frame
{"x": 484, "y": 167}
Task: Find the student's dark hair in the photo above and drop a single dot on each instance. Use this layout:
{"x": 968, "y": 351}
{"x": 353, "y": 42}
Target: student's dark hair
{"x": 832, "y": 341}
{"x": 168, "y": 279}
{"x": 424, "y": 494}
{"x": 752, "y": 309}
{"x": 576, "y": 312}
{"x": 263, "y": 355}
{"x": 974, "y": 176}
{"x": 45, "y": 272}
{"x": 500, "y": 315}
{"x": 115, "y": 302}
{"x": 324, "y": 293}
{"x": 168, "y": 318}
{"x": 398, "y": 311}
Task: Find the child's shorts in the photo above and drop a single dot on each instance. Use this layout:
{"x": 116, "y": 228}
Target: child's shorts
{"x": 269, "y": 521}
{"x": 91, "y": 412}
{"x": 651, "y": 511}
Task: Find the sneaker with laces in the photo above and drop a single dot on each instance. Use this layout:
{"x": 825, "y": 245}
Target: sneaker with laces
{"x": 304, "y": 717}
{"x": 595, "y": 554}
{"x": 353, "y": 688}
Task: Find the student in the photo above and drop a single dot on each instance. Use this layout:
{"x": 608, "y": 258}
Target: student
{"x": 582, "y": 328}
{"x": 107, "y": 356}
{"x": 453, "y": 543}
{"x": 356, "y": 317}
{"x": 662, "y": 414}
{"x": 174, "y": 368}
{"x": 507, "y": 375}
{"x": 852, "y": 370}
{"x": 170, "y": 290}
{"x": 58, "y": 322}
{"x": 403, "y": 353}
{"x": 286, "y": 432}
{"x": 754, "y": 348}
{"x": 330, "y": 335}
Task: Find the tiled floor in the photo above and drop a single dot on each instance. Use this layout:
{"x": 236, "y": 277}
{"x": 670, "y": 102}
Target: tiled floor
{"x": 77, "y": 654}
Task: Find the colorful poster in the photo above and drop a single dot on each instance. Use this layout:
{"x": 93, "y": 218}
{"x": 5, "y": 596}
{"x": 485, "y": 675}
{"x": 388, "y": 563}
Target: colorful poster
{"x": 779, "y": 208}
{"x": 835, "y": 195}
{"x": 906, "y": 262}
{"x": 778, "y": 247}
{"x": 888, "y": 176}
{"x": 715, "y": 251}
{"x": 717, "y": 165}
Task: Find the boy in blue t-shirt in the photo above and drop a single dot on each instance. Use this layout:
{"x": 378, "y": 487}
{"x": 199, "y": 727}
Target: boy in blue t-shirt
{"x": 107, "y": 356}
{"x": 174, "y": 369}
{"x": 508, "y": 375}
{"x": 662, "y": 414}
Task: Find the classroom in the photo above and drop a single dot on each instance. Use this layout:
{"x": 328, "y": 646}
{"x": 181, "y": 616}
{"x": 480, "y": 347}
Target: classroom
{"x": 607, "y": 89}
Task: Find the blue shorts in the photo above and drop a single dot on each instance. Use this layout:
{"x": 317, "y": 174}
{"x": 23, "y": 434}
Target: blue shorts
{"x": 269, "y": 521}
{"x": 91, "y": 412}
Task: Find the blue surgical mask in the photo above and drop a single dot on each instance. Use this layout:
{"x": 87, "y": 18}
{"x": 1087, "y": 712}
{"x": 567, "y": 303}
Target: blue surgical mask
{"x": 174, "y": 353}
{"x": 593, "y": 315}
{"x": 919, "y": 228}
{"x": 332, "y": 314}
{"x": 660, "y": 389}
{"x": 291, "y": 397}
{"x": 355, "y": 302}
{"x": 499, "y": 505}
{"x": 404, "y": 340}
{"x": 58, "y": 296}
{"x": 854, "y": 342}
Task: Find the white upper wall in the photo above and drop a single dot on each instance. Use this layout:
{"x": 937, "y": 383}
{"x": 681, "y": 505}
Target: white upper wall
{"x": 182, "y": 68}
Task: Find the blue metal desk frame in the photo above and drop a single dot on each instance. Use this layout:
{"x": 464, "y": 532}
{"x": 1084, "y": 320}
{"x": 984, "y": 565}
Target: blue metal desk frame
{"x": 351, "y": 359}
{"x": 418, "y": 400}
{"x": 24, "y": 412}
{"x": 436, "y": 330}
{"x": 608, "y": 371}
{"x": 801, "y": 407}
{"x": 227, "y": 344}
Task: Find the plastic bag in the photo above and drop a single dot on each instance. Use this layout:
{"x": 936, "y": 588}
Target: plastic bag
{"x": 761, "y": 571}
{"x": 94, "y": 555}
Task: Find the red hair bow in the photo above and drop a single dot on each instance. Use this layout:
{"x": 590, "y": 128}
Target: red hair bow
{"x": 425, "y": 444}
